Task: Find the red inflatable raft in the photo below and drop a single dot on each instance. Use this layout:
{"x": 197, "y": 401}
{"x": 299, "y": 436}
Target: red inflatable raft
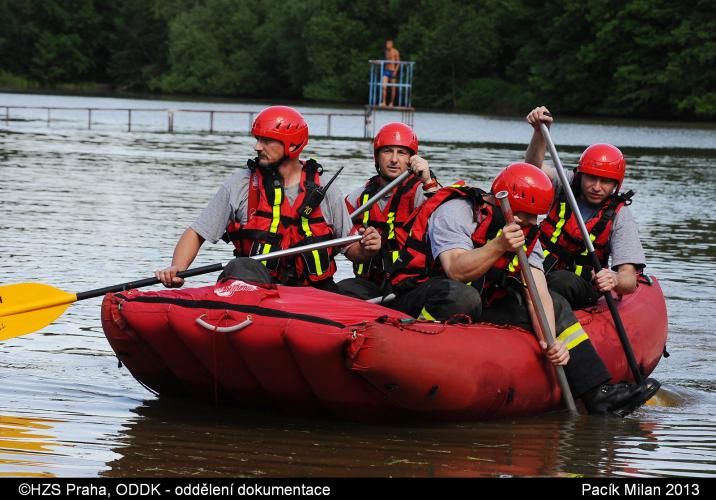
{"x": 307, "y": 351}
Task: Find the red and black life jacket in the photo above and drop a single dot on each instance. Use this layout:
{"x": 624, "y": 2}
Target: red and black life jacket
{"x": 274, "y": 224}
{"x": 390, "y": 221}
{"x": 562, "y": 240}
{"x": 416, "y": 263}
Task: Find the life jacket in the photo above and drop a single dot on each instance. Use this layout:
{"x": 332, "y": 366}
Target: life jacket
{"x": 416, "y": 264}
{"x": 505, "y": 272}
{"x": 389, "y": 221}
{"x": 274, "y": 224}
{"x": 562, "y": 241}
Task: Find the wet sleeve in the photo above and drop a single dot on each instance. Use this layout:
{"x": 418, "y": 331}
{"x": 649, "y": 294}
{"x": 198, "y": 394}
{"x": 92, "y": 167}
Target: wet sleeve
{"x": 624, "y": 241}
{"x": 451, "y": 226}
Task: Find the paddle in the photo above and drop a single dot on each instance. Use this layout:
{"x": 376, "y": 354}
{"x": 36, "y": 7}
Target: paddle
{"x": 621, "y": 331}
{"x": 544, "y": 333}
{"x": 377, "y": 196}
{"x": 27, "y": 307}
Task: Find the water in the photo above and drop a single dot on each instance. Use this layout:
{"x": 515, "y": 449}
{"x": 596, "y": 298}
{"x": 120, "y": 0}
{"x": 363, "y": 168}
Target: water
{"x": 82, "y": 209}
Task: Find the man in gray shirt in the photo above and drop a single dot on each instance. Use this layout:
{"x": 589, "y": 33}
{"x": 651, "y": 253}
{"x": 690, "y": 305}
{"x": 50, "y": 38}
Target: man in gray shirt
{"x": 259, "y": 209}
{"x": 615, "y": 234}
{"x": 465, "y": 254}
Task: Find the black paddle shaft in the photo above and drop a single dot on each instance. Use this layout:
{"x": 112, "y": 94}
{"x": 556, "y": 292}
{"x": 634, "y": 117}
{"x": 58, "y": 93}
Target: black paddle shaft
{"x": 212, "y": 268}
{"x": 621, "y": 331}
{"x": 147, "y": 282}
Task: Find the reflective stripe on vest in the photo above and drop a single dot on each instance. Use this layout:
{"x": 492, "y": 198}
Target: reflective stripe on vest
{"x": 274, "y": 223}
{"x": 366, "y": 217}
{"x": 316, "y": 258}
{"x": 389, "y": 221}
{"x": 561, "y": 237}
{"x": 275, "y": 219}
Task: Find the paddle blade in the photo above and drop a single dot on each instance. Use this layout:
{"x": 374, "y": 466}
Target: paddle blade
{"x": 27, "y": 307}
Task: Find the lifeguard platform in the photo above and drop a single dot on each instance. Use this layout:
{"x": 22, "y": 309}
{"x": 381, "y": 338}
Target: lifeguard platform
{"x": 401, "y": 84}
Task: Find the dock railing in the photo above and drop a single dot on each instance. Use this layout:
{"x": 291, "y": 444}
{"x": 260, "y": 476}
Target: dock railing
{"x": 89, "y": 116}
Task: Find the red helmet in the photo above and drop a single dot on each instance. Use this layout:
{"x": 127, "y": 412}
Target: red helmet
{"x": 396, "y": 134}
{"x": 603, "y": 160}
{"x": 285, "y": 125}
{"x": 530, "y": 190}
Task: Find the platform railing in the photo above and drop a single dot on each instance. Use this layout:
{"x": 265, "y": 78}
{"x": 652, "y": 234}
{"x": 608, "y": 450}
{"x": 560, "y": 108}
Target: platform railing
{"x": 403, "y": 83}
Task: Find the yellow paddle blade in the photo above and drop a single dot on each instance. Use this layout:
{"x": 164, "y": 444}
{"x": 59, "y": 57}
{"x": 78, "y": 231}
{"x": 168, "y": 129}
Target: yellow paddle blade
{"x": 27, "y": 307}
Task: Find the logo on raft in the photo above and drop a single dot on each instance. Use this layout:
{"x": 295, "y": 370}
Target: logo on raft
{"x": 234, "y": 287}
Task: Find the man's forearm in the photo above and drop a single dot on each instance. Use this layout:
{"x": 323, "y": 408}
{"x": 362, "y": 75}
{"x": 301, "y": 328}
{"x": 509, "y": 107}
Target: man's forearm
{"x": 536, "y": 150}
{"x": 626, "y": 279}
{"x": 187, "y": 249}
{"x": 469, "y": 265}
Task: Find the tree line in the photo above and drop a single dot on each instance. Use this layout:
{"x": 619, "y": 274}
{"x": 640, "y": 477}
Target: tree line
{"x": 638, "y": 58}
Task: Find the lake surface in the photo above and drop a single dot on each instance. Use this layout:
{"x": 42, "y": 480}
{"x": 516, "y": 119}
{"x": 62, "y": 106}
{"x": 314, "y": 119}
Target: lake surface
{"x": 80, "y": 209}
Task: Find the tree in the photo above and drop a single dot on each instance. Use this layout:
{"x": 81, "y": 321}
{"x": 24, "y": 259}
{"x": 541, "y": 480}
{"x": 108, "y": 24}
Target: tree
{"x": 212, "y": 50}
{"x": 139, "y": 46}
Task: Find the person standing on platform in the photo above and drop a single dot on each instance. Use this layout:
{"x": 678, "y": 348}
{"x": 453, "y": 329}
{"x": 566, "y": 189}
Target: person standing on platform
{"x": 390, "y": 72}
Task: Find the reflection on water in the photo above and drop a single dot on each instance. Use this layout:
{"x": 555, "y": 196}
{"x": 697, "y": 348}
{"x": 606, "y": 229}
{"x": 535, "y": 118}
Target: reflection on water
{"x": 23, "y": 441}
{"x": 80, "y": 210}
{"x": 221, "y": 442}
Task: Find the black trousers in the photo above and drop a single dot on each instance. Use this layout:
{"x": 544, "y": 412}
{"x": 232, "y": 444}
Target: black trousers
{"x": 438, "y": 299}
{"x": 442, "y": 298}
{"x": 361, "y": 288}
{"x": 579, "y": 292}
{"x": 585, "y": 369}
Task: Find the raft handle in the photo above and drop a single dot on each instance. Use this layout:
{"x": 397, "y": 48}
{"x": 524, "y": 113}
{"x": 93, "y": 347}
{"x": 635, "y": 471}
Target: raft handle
{"x": 223, "y": 329}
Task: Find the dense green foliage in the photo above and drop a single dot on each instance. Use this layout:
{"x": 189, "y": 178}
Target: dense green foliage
{"x": 649, "y": 58}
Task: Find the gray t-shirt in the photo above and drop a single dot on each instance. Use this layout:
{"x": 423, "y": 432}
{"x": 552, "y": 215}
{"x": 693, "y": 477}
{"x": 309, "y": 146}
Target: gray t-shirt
{"x": 230, "y": 204}
{"x": 354, "y": 196}
{"x": 624, "y": 245}
{"x": 451, "y": 226}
